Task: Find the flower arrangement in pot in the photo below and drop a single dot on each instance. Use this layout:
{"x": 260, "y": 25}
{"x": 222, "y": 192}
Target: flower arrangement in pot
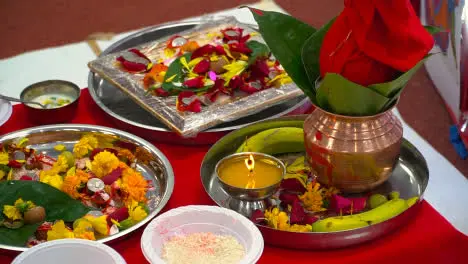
{"x": 353, "y": 69}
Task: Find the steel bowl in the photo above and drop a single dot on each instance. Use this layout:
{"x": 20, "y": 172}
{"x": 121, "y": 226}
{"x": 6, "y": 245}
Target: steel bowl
{"x": 55, "y": 115}
{"x": 157, "y": 170}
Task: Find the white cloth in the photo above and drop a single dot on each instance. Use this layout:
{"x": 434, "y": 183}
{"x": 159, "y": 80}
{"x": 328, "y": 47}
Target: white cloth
{"x": 447, "y": 191}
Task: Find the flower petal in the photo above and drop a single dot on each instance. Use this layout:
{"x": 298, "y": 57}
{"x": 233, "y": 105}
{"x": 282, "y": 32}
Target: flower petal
{"x": 195, "y": 83}
{"x": 298, "y": 214}
{"x": 292, "y": 185}
{"x": 113, "y": 176}
{"x": 202, "y": 67}
{"x": 257, "y": 216}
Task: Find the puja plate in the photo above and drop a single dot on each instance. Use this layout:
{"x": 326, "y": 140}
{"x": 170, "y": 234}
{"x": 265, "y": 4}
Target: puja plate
{"x": 128, "y": 115}
{"x": 158, "y": 170}
{"x": 410, "y": 178}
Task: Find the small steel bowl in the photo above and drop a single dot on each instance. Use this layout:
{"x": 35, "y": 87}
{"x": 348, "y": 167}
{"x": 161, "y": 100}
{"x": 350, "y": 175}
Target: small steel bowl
{"x": 55, "y": 115}
{"x": 254, "y": 194}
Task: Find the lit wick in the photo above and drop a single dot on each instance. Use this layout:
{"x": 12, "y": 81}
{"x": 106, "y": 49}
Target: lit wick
{"x": 250, "y": 164}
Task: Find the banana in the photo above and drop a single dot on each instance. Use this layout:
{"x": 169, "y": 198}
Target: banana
{"x": 275, "y": 141}
{"x": 377, "y": 215}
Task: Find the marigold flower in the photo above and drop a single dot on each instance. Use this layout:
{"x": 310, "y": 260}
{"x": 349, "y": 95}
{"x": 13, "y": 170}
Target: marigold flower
{"x": 103, "y": 163}
{"x": 70, "y": 186}
{"x": 136, "y": 212}
{"x": 59, "y": 231}
{"x": 52, "y": 178}
{"x": 313, "y": 197}
{"x": 99, "y": 223}
{"x": 86, "y": 144}
{"x": 126, "y": 155}
{"x": 84, "y": 230}
{"x": 23, "y": 206}
{"x": 134, "y": 185}
{"x": 12, "y": 212}
{"x": 61, "y": 165}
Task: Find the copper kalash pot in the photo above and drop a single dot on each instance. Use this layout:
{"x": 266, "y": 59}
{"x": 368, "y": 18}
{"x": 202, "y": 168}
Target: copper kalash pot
{"x": 354, "y": 154}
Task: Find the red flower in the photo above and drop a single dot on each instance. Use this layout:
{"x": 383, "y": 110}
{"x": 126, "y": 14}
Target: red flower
{"x": 251, "y": 87}
{"x": 113, "y": 176}
{"x": 119, "y": 215}
{"x": 372, "y": 41}
{"x": 161, "y": 92}
{"x": 207, "y": 50}
{"x": 257, "y": 216}
{"x": 292, "y": 185}
{"x": 135, "y": 61}
{"x": 259, "y": 70}
{"x": 202, "y": 67}
{"x": 179, "y": 42}
{"x": 232, "y": 34}
{"x": 25, "y": 178}
{"x": 188, "y": 101}
{"x": 298, "y": 214}
{"x": 14, "y": 164}
{"x": 288, "y": 198}
{"x": 195, "y": 83}
{"x": 240, "y": 47}
{"x": 236, "y": 82}
{"x": 344, "y": 205}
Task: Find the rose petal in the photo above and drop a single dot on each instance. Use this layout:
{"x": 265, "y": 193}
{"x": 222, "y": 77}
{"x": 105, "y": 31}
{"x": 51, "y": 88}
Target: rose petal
{"x": 203, "y": 50}
{"x": 161, "y": 92}
{"x": 232, "y": 33}
{"x": 113, "y": 176}
{"x": 202, "y": 67}
{"x": 259, "y": 70}
{"x": 134, "y": 61}
{"x": 251, "y": 87}
{"x": 298, "y": 214}
{"x": 197, "y": 82}
{"x": 240, "y": 47}
{"x": 257, "y": 216}
{"x": 26, "y": 178}
{"x": 119, "y": 214}
{"x": 236, "y": 82}
{"x": 288, "y": 198}
{"x": 292, "y": 185}
{"x": 309, "y": 219}
{"x": 193, "y": 106}
{"x": 344, "y": 205}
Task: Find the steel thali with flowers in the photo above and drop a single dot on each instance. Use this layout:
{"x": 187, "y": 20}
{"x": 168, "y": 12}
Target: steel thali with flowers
{"x": 409, "y": 179}
{"x": 147, "y": 167}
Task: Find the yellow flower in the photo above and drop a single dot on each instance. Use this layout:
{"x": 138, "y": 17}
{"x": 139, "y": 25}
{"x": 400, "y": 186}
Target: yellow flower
{"x": 60, "y": 147}
{"x": 136, "y": 212}
{"x": 24, "y": 206}
{"x": 300, "y": 228}
{"x": 104, "y": 163}
{"x": 234, "y": 69}
{"x": 86, "y": 144}
{"x": 4, "y": 158}
{"x": 84, "y": 230}
{"x": 99, "y": 223}
{"x": 2, "y": 174}
{"x": 59, "y": 231}
{"x": 61, "y": 165}
{"x": 134, "y": 186}
{"x": 12, "y": 212}
{"x": 280, "y": 79}
{"x": 277, "y": 219}
{"x": 125, "y": 154}
{"x": 52, "y": 178}
{"x": 313, "y": 197}
{"x": 70, "y": 186}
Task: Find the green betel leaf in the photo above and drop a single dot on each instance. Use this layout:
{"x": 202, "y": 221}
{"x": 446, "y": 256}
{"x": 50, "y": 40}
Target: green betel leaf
{"x": 432, "y": 29}
{"x": 176, "y": 68}
{"x": 341, "y": 96}
{"x": 390, "y": 89}
{"x": 311, "y": 52}
{"x": 259, "y": 50}
{"x": 285, "y": 36}
{"x": 58, "y": 206}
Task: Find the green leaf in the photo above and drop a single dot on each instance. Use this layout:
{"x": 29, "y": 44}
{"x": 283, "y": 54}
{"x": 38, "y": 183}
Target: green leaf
{"x": 259, "y": 50}
{"x": 285, "y": 36}
{"x": 311, "y": 52}
{"x": 341, "y": 96}
{"x": 58, "y": 205}
{"x": 432, "y": 29}
{"x": 390, "y": 89}
{"x": 175, "y": 69}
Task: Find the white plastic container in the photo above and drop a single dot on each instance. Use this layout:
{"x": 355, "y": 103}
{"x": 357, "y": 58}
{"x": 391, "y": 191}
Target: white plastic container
{"x": 198, "y": 218}
{"x": 70, "y": 251}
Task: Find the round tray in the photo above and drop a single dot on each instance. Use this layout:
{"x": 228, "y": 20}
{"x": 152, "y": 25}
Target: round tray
{"x": 410, "y": 178}
{"x": 131, "y": 117}
{"x": 158, "y": 170}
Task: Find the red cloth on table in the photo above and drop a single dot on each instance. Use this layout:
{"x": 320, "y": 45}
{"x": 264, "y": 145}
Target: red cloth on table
{"x": 428, "y": 238}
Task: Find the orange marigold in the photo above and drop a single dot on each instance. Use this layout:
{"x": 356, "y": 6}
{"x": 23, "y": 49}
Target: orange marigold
{"x": 72, "y": 182}
{"x": 134, "y": 186}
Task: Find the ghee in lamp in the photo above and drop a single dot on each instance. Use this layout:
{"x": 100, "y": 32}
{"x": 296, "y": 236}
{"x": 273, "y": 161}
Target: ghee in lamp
{"x": 248, "y": 172}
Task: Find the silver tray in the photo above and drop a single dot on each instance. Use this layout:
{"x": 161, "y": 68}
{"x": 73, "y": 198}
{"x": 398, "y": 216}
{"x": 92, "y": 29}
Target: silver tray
{"x": 130, "y": 116}
{"x": 159, "y": 170}
{"x": 410, "y": 178}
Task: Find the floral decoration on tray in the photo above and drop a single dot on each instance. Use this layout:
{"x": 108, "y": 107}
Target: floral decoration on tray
{"x": 87, "y": 192}
{"x": 194, "y": 80}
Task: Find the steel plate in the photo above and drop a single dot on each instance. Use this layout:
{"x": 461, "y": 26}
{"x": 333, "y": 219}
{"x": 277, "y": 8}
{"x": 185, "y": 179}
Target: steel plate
{"x": 130, "y": 116}
{"x": 158, "y": 170}
{"x": 410, "y": 178}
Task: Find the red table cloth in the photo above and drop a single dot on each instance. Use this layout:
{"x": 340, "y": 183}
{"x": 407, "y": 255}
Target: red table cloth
{"x": 428, "y": 238}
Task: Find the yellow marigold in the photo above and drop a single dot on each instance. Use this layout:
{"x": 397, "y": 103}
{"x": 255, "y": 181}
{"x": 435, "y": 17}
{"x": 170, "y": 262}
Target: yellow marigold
{"x": 300, "y": 228}
{"x": 83, "y": 176}
{"x": 61, "y": 165}
{"x": 134, "y": 185}
{"x": 4, "y": 158}
{"x": 52, "y": 178}
{"x": 24, "y": 206}
{"x": 12, "y": 212}
{"x": 277, "y": 219}
{"x": 59, "y": 231}
{"x": 70, "y": 186}
{"x": 84, "y": 230}
{"x": 313, "y": 197}
{"x": 104, "y": 162}
{"x": 125, "y": 154}
{"x": 86, "y": 144}
{"x": 136, "y": 212}
{"x": 329, "y": 192}
{"x": 99, "y": 223}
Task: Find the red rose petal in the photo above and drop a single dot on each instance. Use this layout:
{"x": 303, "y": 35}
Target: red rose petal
{"x": 113, "y": 176}
{"x": 240, "y": 47}
{"x": 232, "y": 34}
{"x": 193, "y": 106}
{"x": 257, "y": 216}
{"x": 288, "y": 198}
{"x": 251, "y": 87}
{"x": 203, "y": 50}
{"x": 119, "y": 214}
{"x": 292, "y": 185}
{"x": 298, "y": 214}
{"x": 197, "y": 82}
{"x": 161, "y": 92}
{"x": 309, "y": 219}
{"x": 25, "y": 178}
{"x": 236, "y": 82}
{"x": 220, "y": 50}
{"x": 259, "y": 70}
{"x": 344, "y": 205}
{"x": 134, "y": 62}
{"x": 202, "y": 67}
{"x": 14, "y": 164}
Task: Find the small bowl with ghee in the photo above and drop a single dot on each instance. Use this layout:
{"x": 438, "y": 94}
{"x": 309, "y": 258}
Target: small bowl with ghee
{"x": 250, "y": 176}
{"x": 59, "y": 97}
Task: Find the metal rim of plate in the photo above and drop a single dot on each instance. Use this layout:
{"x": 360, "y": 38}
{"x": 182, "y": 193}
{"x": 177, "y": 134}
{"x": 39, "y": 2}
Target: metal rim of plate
{"x": 164, "y": 163}
{"x": 410, "y": 177}
{"x": 143, "y": 123}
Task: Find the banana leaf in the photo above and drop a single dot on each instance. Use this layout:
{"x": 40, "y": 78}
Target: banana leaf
{"x": 285, "y": 36}
{"x": 58, "y": 205}
{"x": 311, "y": 52}
{"x": 258, "y": 50}
{"x": 338, "y": 95}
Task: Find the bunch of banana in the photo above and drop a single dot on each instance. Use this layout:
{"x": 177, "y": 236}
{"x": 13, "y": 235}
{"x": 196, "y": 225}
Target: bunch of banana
{"x": 275, "y": 141}
{"x": 377, "y": 215}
